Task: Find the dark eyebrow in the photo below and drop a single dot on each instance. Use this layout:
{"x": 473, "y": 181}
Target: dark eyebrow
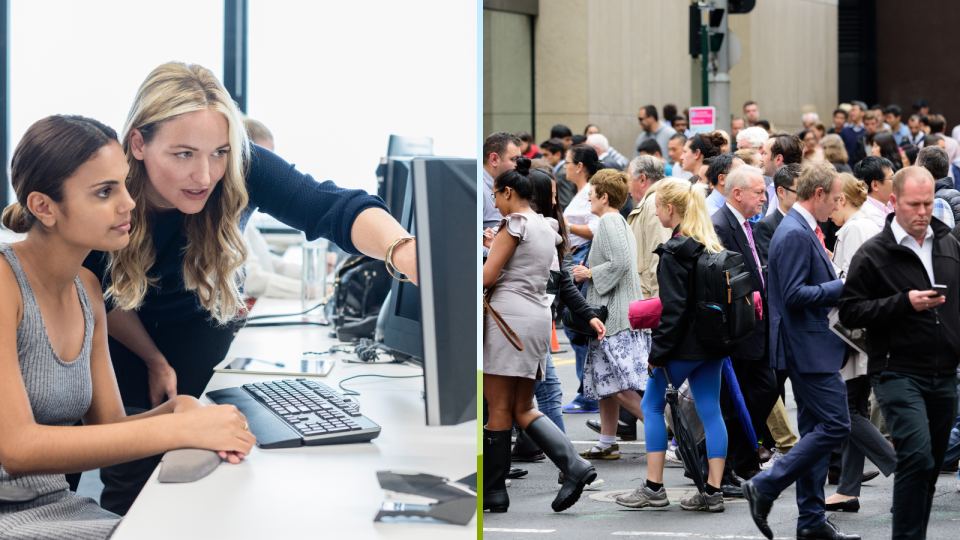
{"x": 106, "y": 183}
{"x": 222, "y": 146}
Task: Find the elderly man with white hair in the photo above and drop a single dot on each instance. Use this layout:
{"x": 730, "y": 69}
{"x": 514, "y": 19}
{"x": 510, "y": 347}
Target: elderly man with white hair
{"x": 756, "y": 138}
{"x": 809, "y": 119}
{"x": 607, "y": 154}
{"x": 744, "y": 194}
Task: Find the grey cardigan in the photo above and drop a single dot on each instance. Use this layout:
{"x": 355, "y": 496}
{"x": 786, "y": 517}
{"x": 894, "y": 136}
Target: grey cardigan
{"x": 613, "y": 266}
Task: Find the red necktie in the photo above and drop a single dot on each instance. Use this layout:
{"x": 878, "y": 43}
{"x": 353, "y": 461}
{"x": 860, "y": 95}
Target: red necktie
{"x": 820, "y": 237}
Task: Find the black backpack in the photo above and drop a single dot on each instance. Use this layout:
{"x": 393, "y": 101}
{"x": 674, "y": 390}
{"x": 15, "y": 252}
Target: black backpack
{"x": 360, "y": 288}
{"x": 724, "y": 299}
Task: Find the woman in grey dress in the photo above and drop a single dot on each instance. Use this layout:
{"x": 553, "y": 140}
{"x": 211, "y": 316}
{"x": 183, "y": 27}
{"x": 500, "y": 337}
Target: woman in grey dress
{"x": 517, "y": 270}
{"x": 69, "y": 175}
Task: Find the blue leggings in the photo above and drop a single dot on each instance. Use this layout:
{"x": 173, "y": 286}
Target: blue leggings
{"x": 704, "y": 379}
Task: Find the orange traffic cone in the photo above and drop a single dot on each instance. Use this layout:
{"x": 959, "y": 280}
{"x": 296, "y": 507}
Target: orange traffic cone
{"x": 554, "y": 343}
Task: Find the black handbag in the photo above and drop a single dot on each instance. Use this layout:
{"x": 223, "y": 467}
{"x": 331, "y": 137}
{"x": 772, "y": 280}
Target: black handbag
{"x": 579, "y": 326}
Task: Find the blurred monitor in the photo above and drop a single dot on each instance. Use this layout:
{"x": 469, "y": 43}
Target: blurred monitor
{"x": 409, "y": 146}
{"x": 435, "y": 322}
{"x": 392, "y": 181}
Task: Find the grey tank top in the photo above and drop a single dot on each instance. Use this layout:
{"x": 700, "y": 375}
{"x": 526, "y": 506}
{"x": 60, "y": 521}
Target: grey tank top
{"x": 60, "y": 392}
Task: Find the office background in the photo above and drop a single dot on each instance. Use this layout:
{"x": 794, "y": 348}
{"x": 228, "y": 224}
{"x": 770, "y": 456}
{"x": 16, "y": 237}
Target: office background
{"x": 331, "y": 80}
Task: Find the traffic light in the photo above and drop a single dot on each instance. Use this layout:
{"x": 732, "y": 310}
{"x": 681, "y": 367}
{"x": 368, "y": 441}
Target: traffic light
{"x": 741, "y": 6}
{"x": 694, "y": 31}
{"x": 716, "y": 37}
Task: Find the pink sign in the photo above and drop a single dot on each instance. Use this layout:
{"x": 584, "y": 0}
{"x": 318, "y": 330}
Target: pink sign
{"x": 702, "y": 119}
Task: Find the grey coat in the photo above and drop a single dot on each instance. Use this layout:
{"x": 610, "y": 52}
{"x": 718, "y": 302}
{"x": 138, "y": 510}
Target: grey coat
{"x": 613, "y": 265}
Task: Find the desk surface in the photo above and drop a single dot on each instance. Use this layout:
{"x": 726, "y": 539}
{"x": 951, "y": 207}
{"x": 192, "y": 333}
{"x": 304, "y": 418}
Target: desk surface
{"x": 310, "y": 491}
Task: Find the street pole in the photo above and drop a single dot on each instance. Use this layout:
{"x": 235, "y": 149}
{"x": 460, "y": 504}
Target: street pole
{"x": 704, "y": 57}
{"x": 719, "y": 78}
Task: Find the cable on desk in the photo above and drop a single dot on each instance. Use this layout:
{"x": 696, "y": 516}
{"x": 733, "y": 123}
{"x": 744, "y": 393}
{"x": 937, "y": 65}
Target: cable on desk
{"x": 347, "y": 392}
{"x": 288, "y": 323}
{"x": 258, "y": 317}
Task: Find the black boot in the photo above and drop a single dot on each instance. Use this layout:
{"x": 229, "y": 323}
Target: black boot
{"x": 577, "y": 472}
{"x": 496, "y": 466}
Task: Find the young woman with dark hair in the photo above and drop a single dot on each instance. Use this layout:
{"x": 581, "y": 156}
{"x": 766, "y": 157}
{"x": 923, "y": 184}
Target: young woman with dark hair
{"x": 517, "y": 270}
{"x": 699, "y": 147}
{"x": 884, "y": 145}
{"x": 581, "y": 224}
{"x": 69, "y": 175}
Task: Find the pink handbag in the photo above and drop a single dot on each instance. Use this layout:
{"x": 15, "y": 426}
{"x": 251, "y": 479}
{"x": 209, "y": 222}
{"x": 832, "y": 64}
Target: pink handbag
{"x": 645, "y": 314}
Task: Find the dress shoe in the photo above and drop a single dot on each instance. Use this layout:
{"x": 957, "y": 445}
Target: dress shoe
{"x": 849, "y": 505}
{"x": 869, "y": 475}
{"x": 949, "y": 468}
{"x": 624, "y": 433}
{"x": 833, "y": 476}
{"x": 516, "y": 472}
{"x": 747, "y": 475}
{"x": 731, "y": 491}
{"x": 826, "y": 531}
{"x": 764, "y": 454}
{"x": 760, "y": 508}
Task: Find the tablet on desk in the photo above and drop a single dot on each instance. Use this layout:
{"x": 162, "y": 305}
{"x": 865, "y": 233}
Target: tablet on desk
{"x": 306, "y": 366}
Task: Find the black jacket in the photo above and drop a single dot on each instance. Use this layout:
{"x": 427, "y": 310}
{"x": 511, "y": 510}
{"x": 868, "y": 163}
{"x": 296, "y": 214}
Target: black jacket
{"x": 875, "y": 297}
{"x": 764, "y": 229}
{"x": 569, "y": 295}
{"x": 676, "y": 337}
{"x": 945, "y": 190}
{"x": 733, "y": 238}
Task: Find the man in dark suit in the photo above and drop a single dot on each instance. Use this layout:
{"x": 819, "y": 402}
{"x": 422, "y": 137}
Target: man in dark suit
{"x": 785, "y": 183}
{"x": 802, "y": 287}
{"x": 745, "y": 192}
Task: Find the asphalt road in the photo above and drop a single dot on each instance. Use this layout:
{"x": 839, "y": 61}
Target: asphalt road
{"x": 597, "y": 516}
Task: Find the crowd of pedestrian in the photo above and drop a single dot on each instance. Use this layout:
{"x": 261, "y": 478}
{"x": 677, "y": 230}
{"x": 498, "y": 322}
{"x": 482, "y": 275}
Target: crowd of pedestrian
{"x": 838, "y": 244}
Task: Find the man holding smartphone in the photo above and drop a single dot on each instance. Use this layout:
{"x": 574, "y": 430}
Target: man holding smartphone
{"x": 904, "y": 288}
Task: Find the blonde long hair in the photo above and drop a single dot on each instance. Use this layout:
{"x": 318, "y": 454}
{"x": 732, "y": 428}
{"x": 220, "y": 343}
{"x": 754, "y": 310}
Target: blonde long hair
{"x": 690, "y": 202}
{"x": 214, "y": 255}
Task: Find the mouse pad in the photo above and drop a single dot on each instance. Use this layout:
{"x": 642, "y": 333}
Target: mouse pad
{"x": 187, "y": 465}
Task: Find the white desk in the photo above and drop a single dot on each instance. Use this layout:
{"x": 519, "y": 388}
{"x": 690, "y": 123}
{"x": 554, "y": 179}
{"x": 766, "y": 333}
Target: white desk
{"x": 310, "y": 492}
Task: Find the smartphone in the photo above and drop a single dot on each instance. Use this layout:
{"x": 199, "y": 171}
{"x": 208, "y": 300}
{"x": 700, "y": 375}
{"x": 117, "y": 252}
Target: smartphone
{"x": 940, "y": 289}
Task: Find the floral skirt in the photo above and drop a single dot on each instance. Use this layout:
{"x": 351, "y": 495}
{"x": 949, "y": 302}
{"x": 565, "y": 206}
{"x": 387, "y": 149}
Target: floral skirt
{"x": 616, "y": 364}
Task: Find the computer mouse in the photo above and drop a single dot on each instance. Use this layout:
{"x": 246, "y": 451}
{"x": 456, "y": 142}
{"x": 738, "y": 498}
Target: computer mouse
{"x": 187, "y": 465}
{"x": 17, "y": 494}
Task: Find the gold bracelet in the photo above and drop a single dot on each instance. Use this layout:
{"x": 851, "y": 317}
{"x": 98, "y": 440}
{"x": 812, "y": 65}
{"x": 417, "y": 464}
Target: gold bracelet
{"x": 388, "y": 260}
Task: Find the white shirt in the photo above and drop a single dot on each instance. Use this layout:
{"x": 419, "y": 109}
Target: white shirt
{"x": 876, "y": 211}
{"x": 807, "y": 216}
{"x": 678, "y": 172}
{"x": 578, "y": 213}
{"x": 739, "y": 216}
{"x": 925, "y": 252}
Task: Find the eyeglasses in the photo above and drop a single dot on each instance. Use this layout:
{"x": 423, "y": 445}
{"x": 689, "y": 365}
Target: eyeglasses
{"x": 493, "y": 196}
{"x": 790, "y": 190}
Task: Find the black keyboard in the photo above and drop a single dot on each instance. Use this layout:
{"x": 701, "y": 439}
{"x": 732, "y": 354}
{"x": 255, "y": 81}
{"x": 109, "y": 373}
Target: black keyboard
{"x": 301, "y": 412}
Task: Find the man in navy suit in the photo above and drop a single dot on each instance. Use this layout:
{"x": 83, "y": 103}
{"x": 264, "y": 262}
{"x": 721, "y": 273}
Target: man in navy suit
{"x": 745, "y": 193}
{"x": 802, "y": 287}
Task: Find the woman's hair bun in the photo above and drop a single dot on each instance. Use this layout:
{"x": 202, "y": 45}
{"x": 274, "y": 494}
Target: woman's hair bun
{"x": 17, "y": 218}
{"x": 523, "y": 166}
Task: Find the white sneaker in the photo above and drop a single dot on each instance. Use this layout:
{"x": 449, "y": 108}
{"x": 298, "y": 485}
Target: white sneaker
{"x": 776, "y": 455}
{"x": 507, "y": 482}
{"x": 592, "y": 486}
{"x": 672, "y": 456}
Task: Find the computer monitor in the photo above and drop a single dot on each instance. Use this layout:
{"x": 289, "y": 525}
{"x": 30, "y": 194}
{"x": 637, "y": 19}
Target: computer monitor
{"x": 436, "y": 321}
{"x": 392, "y": 181}
{"x": 409, "y": 146}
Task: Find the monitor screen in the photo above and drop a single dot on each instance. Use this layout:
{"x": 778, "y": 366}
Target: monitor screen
{"x": 392, "y": 185}
{"x": 409, "y": 146}
{"x": 436, "y": 322}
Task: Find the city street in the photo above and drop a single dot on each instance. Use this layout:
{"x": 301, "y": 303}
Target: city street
{"x": 596, "y": 515}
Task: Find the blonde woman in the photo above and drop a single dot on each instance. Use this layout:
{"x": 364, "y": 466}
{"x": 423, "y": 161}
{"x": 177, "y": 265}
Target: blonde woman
{"x": 749, "y": 156}
{"x": 865, "y": 440}
{"x": 681, "y": 207}
{"x": 835, "y": 153}
{"x": 175, "y": 289}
